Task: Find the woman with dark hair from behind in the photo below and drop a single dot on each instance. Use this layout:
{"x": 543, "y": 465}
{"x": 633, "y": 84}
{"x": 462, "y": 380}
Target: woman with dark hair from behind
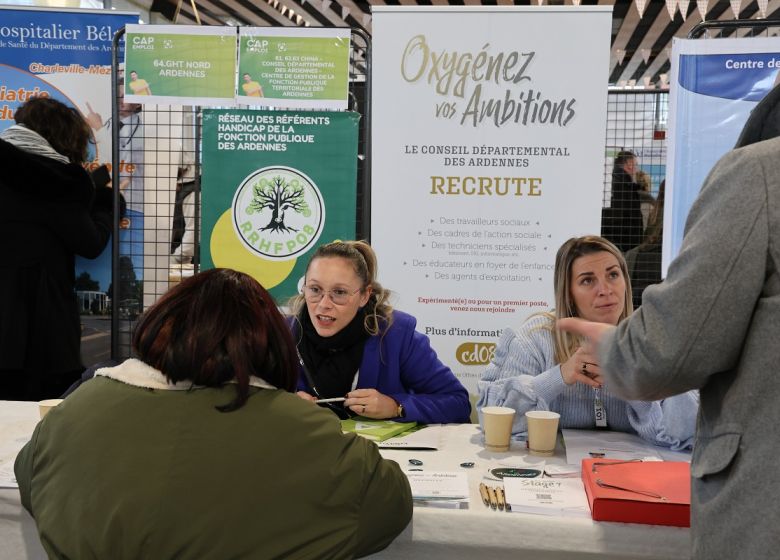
{"x": 50, "y": 211}
{"x": 198, "y": 449}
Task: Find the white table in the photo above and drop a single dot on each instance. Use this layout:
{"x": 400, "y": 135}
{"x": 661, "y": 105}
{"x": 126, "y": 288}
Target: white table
{"x": 18, "y": 535}
{"x": 434, "y": 533}
{"x": 479, "y": 532}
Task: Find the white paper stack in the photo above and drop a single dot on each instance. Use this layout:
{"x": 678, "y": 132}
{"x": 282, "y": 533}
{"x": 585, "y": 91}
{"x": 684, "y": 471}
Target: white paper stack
{"x": 562, "y": 471}
{"x": 440, "y": 488}
{"x": 547, "y": 496}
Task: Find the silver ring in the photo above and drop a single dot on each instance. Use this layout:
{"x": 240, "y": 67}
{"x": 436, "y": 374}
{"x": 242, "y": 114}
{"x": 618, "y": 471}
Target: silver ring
{"x": 364, "y": 409}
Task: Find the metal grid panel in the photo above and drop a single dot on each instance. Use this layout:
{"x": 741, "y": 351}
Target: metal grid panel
{"x": 159, "y": 173}
{"x": 632, "y": 211}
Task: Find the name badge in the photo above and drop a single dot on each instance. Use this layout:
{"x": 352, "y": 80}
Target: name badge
{"x": 598, "y": 410}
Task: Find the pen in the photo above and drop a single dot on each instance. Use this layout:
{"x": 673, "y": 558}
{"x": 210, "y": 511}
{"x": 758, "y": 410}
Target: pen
{"x": 500, "y": 497}
{"x": 484, "y": 493}
{"x": 334, "y": 399}
{"x": 493, "y": 499}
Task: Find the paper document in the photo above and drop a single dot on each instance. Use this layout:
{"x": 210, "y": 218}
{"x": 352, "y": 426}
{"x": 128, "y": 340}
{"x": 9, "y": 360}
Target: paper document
{"x": 439, "y": 485}
{"x": 419, "y": 437}
{"x": 547, "y": 496}
{"x": 598, "y": 444}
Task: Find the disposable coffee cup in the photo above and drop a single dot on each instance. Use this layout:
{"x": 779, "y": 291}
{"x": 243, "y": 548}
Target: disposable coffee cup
{"x": 45, "y": 406}
{"x": 497, "y": 423}
{"x": 542, "y": 431}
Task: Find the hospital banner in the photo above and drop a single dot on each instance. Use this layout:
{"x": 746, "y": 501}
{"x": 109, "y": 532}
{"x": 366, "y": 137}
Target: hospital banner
{"x": 293, "y": 68}
{"x": 714, "y": 85}
{"x": 276, "y": 185}
{"x": 66, "y": 55}
{"x": 180, "y": 65}
{"x": 488, "y": 142}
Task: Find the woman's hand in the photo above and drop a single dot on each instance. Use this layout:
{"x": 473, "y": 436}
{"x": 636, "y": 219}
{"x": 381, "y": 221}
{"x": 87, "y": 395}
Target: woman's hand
{"x": 306, "y": 396}
{"x": 371, "y": 404}
{"x": 581, "y": 368}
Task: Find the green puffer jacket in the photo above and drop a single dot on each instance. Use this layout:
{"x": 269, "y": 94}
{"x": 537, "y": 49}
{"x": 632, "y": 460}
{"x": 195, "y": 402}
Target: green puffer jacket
{"x": 120, "y": 471}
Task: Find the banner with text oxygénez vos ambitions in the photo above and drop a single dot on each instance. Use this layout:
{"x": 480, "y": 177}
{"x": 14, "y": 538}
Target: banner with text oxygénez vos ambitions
{"x": 488, "y": 138}
{"x": 276, "y": 185}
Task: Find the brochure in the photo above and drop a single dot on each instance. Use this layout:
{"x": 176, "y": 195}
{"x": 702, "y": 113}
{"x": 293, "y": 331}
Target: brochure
{"x": 420, "y": 436}
{"x": 375, "y": 430}
{"x": 547, "y": 496}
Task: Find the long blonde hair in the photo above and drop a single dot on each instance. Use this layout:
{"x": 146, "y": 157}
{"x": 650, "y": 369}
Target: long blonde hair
{"x": 379, "y": 312}
{"x": 566, "y": 344}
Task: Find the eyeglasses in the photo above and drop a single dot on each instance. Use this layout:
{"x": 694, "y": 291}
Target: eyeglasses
{"x": 338, "y": 296}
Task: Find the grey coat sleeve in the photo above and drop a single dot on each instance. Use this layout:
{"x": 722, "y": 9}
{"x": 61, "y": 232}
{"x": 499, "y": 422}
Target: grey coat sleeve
{"x": 692, "y": 326}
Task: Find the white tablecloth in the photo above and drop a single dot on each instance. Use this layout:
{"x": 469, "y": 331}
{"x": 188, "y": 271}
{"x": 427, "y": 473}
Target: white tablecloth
{"x": 18, "y": 535}
{"x": 479, "y": 532}
{"x": 434, "y": 533}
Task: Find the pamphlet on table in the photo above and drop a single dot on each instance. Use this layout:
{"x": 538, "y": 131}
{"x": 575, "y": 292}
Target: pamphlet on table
{"x": 597, "y": 444}
{"x": 375, "y": 430}
{"x": 419, "y": 437}
{"x": 439, "y": 486}
{"x": 547, "y": 496}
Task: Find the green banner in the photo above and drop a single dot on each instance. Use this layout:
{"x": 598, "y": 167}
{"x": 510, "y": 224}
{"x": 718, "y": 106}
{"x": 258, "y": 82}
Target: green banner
{"x": 166, "y": 64}
{"x": 293, "y": 68}
{"x": 276, "y": 185}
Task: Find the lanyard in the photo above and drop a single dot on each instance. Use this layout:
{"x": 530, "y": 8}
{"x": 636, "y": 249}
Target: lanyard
{"x": 599, "y": 411}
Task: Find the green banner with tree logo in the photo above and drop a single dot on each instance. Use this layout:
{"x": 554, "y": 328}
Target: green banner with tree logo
{"x": 275, "y": 186}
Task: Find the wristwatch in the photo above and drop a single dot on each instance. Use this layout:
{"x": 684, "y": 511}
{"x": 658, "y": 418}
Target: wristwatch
{"x": 400, "y": 412}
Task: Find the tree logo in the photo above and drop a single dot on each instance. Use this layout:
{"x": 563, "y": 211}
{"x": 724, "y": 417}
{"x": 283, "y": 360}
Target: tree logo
{"x": 278, "y": 213}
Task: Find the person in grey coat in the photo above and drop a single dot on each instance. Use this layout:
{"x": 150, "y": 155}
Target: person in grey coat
{"x": 714, "y": 324}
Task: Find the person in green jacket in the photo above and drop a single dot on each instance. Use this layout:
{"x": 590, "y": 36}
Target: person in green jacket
{"x": 199, "y": 449}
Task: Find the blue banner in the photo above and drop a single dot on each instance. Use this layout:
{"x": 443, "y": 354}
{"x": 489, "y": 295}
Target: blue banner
{"x": 715, "y": 85}
{"x": 65, "y": 55}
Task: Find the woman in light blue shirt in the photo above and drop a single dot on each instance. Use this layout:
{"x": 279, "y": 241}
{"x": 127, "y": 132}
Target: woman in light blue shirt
{"x": 538, "y": 367}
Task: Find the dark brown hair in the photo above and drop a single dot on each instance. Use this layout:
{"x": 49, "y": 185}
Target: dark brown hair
{"x": 63, "y": 127}
{"x": 215, "y": 327}
{"x": 622, "y": 157}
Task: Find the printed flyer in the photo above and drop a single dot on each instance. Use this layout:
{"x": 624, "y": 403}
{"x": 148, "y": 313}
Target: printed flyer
{"x": 276, "y": 185}
{"x": 714, "y": 86}
{"x": 488, "y": 144}
{"x": 180, "y": 65}
{"x": 293, "y": 68}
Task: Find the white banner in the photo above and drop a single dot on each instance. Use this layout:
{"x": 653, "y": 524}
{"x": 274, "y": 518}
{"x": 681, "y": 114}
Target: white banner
{"x": 488, "y": 153}
{"x": 715, "y": 84}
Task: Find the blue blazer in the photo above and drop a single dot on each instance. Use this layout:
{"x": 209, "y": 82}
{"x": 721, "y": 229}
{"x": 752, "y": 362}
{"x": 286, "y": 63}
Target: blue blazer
{"x": 401, "y": 364}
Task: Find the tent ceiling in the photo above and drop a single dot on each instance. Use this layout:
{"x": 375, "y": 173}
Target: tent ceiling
{"x": 640, "y": 46}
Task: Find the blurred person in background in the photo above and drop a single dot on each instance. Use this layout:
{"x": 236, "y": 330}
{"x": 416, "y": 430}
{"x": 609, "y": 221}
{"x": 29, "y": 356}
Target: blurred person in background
{"x": 627, "y": 226}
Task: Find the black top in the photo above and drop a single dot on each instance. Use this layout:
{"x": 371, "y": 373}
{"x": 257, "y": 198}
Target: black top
{"x": 49, "y": 212}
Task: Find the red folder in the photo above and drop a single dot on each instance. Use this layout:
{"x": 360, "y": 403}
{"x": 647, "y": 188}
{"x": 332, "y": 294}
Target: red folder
{"x": 651, "y": 492}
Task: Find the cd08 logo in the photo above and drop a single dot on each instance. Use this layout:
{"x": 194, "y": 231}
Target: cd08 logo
{"x": 475, "y": 353}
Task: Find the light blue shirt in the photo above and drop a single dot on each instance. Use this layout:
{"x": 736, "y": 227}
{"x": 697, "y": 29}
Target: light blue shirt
{"x": 523, "y": 375}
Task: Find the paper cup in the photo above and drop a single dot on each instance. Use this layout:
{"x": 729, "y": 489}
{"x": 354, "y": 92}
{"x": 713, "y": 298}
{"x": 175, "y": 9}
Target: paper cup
{"x": 542, "y": 431}
{"x": 45, "y": 406}
{"x": 497, "y": 423}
